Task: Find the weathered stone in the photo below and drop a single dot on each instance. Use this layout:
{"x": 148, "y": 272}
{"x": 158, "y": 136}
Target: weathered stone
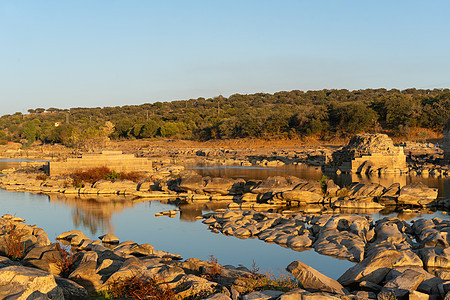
{"x": 407, "y": 281}
{"x": 417, "y": 194}
{"x": 300, "y": 196}
{"x": 71, "y": 290}
{"x": 262, "y": 295}
{"x": 225, "y": 186}
{"x": 194, "y": 183}
{"x": 18, "y": 282}
{"x": 109, "y": 238}
{"x": 85, "y": 275}
{"x": 272, "y": 185}
{"x": 435, "y": 257}
{"x": 219, "y": 296}
{"x": 313, "y": 280}
{"x": 373, "y": 268}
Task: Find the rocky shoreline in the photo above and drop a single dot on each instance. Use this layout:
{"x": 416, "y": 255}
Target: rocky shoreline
{"x": 393, "y": 258}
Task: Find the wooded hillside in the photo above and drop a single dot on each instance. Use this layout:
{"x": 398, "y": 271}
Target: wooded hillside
{"x": 324, "y": 114}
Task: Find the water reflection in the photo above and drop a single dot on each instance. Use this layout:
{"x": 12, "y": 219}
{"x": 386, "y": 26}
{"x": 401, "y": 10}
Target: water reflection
{"x": 94, "y": 213}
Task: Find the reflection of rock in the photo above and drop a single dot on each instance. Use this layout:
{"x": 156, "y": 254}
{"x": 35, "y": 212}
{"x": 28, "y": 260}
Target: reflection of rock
{"x": 191, "y": 212}
{"x": 369, "y": 153}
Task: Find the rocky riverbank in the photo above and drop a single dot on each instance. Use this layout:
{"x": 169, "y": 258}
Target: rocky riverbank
{"x": 394, "y": 259}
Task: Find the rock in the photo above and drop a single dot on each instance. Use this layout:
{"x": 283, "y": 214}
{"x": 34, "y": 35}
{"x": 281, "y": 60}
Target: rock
{"x": 71, "y": 290}
{"x": 401, "y": 285}
{"x": 219, "y": 296}
{"x": 109, "y": 238}
{"x": 193, "y": 183}
{"x": 435, "y": 257}
{"x": 415, "y": 295}
{"x": 262, "y": 295}
{"x": 192, "y": 286}
{"x": 373, "y": 268}
{"x": 417, "y": 194}
{"x": 302, "y": 197}
{"x": 26, "y": 283}
{"x": 313, "y": 280}
{"x": 393, "y": 190}
{"x": 272, "y": 185}
{"x": 225, "y": 186}
{"x": 85, "y": 274}
{"x": 293, "y": 295}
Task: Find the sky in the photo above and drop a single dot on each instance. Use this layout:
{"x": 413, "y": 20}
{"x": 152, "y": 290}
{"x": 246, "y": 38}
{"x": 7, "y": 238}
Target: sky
{"x": 85, "y": 53}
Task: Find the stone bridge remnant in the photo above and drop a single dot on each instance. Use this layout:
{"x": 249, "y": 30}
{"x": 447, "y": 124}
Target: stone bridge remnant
{"x": 368, "y": 153}
{"x": 114, "y": 160}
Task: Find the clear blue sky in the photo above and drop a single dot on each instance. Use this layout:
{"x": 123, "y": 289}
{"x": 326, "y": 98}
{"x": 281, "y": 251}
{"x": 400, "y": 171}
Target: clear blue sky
{"x": 76, "y": 53}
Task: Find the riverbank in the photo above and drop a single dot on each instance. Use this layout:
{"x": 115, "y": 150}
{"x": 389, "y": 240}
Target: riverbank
{"x": 401, "y": 261}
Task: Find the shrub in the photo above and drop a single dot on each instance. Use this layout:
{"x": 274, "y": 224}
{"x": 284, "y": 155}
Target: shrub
{"x": 214, "y": 270}
{"x": 133, "y": 176}
{"x": 41, "y": 176}
{"x": 102, "y": 173}
{"x": 140, "y": 287}
{"x": 268, "y": 281}
{"x": 91, "y": 175}
{"x": 65, "y": 265}
{"x": 15, "y": 248}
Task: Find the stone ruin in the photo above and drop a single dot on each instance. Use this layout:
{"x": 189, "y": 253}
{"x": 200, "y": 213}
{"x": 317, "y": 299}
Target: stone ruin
{"x": 115, "y": 160}
{"x": 368, "y": 153}
{"x": 446, "y": 144}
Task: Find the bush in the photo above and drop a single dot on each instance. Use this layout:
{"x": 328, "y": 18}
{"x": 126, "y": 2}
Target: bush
{"x": 65, "y": 264}
{"x": 15, "y": 248}
{"x": 102, "y": 173}
{"x": 140, "y": 287}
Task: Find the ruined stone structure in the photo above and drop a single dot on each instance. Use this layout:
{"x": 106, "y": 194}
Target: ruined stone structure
{"x": 114, "y": 160}
{"x": 368, "y": 153}
{"x": 446, "y": 144}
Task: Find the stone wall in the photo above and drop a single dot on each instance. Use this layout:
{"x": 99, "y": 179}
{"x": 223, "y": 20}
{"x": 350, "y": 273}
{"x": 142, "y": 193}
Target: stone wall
{"x": 114, "y": 160}
{"x": 446, "y": 144}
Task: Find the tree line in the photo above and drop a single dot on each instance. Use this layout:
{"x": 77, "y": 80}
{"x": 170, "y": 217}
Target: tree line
{"x": 324, "y": 114}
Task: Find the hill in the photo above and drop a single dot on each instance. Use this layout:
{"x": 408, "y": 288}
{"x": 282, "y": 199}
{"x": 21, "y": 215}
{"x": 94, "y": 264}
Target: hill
{"x": 324, "y": 114}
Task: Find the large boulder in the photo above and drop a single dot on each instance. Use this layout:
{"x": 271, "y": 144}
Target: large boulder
{"x": 313, "y": 280}
{"x": 18, "y": 282}
{"x": 417, "y": 194}
{"x": 192, "y": 183}
{"x": 373, "y": 268}
{"x": 225, "y": 186}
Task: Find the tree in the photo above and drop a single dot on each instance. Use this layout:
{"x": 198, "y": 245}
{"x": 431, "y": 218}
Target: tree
{"x": 149, "y": 129}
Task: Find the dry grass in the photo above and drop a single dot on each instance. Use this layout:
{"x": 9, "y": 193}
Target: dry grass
{"x": 140, "y": 287}
{"x": 65, "y": 264}
{"x": 214, "y": 270}
{"x": 269, "y": 281}
{"x": 15, "y": 247}
{"x": 386, "y": 296}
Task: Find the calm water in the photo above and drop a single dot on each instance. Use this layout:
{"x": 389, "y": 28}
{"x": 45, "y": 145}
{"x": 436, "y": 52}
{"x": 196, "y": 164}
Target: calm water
{"x": 136, "y": 221}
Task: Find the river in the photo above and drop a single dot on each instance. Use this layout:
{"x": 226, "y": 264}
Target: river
{"x": 182, "y": 234}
